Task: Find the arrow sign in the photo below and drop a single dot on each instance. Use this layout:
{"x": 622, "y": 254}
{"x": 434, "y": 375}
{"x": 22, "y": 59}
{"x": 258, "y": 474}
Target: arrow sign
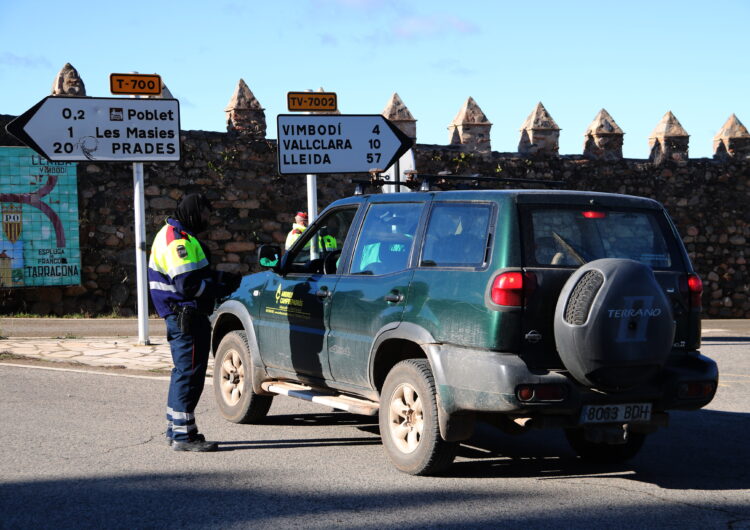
{"x": 348, "y": 143}
{"x": 68, "y": 129}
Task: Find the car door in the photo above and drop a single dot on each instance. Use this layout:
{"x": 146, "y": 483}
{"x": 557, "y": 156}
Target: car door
{"x": 372, "y": 295}
{"x": 294, "y": 304}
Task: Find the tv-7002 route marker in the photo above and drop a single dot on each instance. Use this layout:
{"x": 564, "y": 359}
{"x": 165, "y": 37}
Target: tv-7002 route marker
{"x": 347, "y": 143}
{"x": 69, "y": 129}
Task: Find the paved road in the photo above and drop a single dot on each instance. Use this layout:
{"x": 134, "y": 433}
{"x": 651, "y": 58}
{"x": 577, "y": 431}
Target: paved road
{"x": 86, "y": 450}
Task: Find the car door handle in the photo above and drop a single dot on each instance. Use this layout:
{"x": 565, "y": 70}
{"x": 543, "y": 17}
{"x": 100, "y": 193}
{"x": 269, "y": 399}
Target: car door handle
{"x": 394, "y": 297}
{"x": 323, "y": 293}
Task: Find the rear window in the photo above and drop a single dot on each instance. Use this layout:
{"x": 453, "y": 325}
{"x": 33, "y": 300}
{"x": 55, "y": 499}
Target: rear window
{"x": 569, "y": 237}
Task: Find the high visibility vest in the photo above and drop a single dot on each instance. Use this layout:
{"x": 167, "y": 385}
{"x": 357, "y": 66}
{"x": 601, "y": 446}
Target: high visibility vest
{"x": 178, "y": 271}
{"x": 293, "y": 235}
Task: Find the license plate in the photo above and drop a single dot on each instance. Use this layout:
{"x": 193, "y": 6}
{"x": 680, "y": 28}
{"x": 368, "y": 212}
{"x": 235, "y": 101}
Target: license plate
{"x": 624, "y": 413}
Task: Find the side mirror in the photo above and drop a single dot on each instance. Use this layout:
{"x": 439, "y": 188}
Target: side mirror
{"x": 268, "y": 256}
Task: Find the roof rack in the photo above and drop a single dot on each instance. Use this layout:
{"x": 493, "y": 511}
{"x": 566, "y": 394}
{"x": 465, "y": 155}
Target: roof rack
{"x": 423, "y": 182}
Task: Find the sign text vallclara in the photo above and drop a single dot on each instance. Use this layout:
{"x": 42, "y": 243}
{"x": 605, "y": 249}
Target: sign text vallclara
{"x": 316, "y": 144}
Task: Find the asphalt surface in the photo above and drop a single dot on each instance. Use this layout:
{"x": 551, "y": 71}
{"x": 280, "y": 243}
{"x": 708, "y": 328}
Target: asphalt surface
{"x": 87, "y": 450}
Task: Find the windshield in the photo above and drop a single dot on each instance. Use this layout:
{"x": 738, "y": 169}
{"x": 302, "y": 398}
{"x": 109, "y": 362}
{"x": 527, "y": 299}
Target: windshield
{"x": 570, "y": 237}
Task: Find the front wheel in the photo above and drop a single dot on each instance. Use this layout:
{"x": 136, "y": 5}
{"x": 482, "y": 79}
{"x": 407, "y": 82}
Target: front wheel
{"x": 409, "y": 420}
{"x": 603, "y": 453}
{"x": 233, "y": 386}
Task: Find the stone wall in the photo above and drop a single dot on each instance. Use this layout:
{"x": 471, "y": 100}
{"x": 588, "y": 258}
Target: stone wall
{"x": 254, "y": 205}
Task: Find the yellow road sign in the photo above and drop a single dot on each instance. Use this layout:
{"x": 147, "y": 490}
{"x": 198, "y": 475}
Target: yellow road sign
{"x": 311, "y": 101}
{"x": 135, "y": 84}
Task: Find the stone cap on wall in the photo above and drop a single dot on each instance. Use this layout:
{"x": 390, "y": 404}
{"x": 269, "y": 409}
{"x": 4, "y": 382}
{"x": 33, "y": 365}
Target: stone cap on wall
{"x": 68, "y": 82}
{"x": 397, "y": 112}
{"x": 603, "y": 124}
{"x": 470, "y": 114}
{"x": 539, "y": 120}
{"x": 731, "y": 129}
{"x": 669, "y": 127}
{"x": 243, "y": 99}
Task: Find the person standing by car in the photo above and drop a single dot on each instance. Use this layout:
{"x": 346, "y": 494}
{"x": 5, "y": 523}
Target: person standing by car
{"x": 299, "y": 226}
{"x": 184, "y": 289}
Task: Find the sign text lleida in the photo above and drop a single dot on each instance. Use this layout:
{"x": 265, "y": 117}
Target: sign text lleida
{"x": 39, "y": 213}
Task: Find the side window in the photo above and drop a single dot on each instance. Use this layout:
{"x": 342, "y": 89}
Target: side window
{"x": 319, "y": 247}
{"x": 456, "y": 235}
{"x": 386, "y": 239}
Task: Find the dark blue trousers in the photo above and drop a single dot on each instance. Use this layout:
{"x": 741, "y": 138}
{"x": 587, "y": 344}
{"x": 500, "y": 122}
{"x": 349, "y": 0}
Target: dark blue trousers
{"x": 190, "y": 357}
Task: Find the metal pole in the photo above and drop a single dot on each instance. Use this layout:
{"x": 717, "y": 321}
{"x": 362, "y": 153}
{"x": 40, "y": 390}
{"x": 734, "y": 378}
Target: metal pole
{"x": 397, "y": 173}
{"x": 312, "y": 199}
{"x": 141, "y": 274}
{"x": 140, "y": 252}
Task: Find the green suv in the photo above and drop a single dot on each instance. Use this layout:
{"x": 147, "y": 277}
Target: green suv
{"x": 522, "y": 308}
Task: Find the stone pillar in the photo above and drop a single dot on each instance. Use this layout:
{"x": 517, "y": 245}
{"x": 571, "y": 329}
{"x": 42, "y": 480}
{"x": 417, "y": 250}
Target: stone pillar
{"x": 732, "y": 140}
{"x": 540, "y": 135}
{"x": 244, "y": 113}
{"x": 668, "y": 141}
{"x": 396, "y": 112}
{"x": 471, "y": 129}
{"x": 603, "y": 138}
{"x": 68, "y": 82}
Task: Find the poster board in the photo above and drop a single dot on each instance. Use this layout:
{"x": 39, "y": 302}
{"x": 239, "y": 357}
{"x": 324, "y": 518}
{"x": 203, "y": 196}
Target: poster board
{"x": 39, "y": 244}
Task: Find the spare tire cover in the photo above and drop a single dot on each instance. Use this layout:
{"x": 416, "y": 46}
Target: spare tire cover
{"x": 613, "y": 324}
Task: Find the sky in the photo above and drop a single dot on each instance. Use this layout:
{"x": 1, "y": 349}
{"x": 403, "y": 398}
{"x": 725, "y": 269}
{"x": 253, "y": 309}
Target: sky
{"x": 637, "y": 59}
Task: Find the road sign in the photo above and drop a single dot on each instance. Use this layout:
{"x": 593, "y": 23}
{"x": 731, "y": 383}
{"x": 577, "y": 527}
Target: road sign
{"x": 348, "y": 143}
{"x": 68, "y": 129}
{"x": 135, "y": 84}
{"x": 311, "y": 101}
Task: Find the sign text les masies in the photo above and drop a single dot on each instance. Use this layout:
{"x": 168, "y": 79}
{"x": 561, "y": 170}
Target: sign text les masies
{"x": 102, "y": 129}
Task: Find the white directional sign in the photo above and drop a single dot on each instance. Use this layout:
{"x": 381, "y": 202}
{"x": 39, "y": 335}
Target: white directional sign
{"x": 347, "y": 143}
{"x": 66, "y": 129}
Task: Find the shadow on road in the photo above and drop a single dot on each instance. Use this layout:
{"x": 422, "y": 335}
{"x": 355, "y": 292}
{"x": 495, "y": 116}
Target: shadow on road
{"x": 701, "y": 450}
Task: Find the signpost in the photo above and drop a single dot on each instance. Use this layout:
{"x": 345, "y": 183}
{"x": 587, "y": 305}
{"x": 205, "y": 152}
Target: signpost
{"x": 109, "y": 130}
{"x": 68, "y": 129}
{"x": 350, "y": 143}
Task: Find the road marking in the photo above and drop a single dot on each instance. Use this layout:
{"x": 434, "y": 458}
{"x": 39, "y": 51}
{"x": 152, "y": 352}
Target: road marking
{"x": 155, "y": 377}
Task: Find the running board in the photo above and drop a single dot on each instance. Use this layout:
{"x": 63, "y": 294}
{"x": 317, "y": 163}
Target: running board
{"x": 330, "y": 399}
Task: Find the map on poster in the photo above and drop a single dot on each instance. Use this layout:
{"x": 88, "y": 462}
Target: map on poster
{"x": 39, "y": 213}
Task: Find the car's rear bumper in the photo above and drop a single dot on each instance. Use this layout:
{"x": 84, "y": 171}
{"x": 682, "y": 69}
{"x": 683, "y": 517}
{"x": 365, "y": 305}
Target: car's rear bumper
{"x": 485, "y": 381}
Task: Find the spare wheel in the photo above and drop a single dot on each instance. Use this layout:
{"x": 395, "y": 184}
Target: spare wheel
{"x": 613, "y": 324}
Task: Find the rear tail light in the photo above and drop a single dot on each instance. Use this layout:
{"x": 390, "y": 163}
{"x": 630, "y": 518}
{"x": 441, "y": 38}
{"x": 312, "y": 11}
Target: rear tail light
{"x": 507, "y": 289}
{"x": 540, "y": 393}
{"x": 696, "y": 389}
{"x": 695, "y": 287}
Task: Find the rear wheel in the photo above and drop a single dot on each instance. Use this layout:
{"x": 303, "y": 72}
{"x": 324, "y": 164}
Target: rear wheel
{"x": 604, "y": 453}
{"x": 409, "y": 420}
{"x": 233, "y": 386}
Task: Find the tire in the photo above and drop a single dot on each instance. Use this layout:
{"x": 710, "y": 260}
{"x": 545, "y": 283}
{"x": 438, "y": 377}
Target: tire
{"x": 233, "y": 387}
{"x": 409, "y": 420}
{"x": 613, "y": 326}
{"x": 603, "y": 453}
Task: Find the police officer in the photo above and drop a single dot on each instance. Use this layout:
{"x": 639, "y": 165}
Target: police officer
{"x": 183, "y": 289}
{"x": 299, "y": 226}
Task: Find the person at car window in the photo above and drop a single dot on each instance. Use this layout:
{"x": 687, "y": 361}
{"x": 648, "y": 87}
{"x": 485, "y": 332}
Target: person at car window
{"x": 299, "y": 226}
{"x": 184, "y": 289}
